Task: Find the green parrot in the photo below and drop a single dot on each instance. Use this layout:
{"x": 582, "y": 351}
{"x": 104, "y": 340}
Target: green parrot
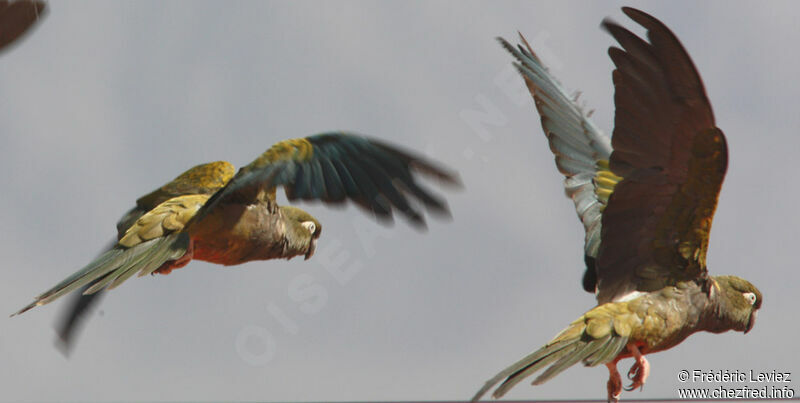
{"x": 16, "y": 19}
{"x": 208, "y": 213}
{"x": 646, "y": 198}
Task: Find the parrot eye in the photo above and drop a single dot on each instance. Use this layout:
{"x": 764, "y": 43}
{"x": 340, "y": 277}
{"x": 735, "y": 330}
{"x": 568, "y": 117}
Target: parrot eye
{"x": 750, "y": 297}
{"x": 310, "y": 226}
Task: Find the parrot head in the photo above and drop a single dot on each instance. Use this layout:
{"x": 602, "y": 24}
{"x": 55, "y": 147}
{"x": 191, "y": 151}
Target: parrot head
{"x": 302, "y": 230}
{"x": 740, "y": 302}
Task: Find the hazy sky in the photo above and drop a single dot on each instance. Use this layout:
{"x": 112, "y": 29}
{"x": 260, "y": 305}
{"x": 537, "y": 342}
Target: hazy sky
{"x": 105, "y": 101}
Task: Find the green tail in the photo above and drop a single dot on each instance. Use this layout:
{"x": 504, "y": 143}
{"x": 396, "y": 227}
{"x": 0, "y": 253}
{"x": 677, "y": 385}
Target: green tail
{"x": 568, "y": 348}
{"x": 117, "y": 265}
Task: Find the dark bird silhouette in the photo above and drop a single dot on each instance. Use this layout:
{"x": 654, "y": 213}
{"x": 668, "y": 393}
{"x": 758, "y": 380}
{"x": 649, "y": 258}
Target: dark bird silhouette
{"x": 17, "y": 18}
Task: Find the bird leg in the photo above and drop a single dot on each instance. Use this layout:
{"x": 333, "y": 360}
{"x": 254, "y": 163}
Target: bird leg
{"x": 640, "y": 369}
{"x": 614, "y": 382}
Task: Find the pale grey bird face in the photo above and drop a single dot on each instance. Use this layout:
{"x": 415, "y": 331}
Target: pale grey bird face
{"x": 314, "y": 231}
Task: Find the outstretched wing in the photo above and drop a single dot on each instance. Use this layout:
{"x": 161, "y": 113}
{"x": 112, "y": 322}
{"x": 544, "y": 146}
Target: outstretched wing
{"x": 672, "y": 158}
{"x": 581, "y": 150}
{"x": 334, "y": 167}
{"x": 17, "y": 17}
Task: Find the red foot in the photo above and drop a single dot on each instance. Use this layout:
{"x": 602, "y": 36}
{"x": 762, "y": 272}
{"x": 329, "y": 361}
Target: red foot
{"x": 167, "y": 267}
{"x": 614, "y": 382}
{"x": 640, "y": 369}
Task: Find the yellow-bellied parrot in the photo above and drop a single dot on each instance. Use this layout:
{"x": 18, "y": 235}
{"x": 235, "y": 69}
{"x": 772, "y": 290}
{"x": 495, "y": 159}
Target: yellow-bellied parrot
{"x": 646, "y": 198}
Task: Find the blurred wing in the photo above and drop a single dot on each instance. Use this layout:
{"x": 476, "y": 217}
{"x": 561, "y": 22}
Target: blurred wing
{"x": 672, "y": 158}
{"x": 334, "y": 167}
{"x": 16, "y": 18}
{"x": 581, "y": 150}
{"x": 75, "y": 313}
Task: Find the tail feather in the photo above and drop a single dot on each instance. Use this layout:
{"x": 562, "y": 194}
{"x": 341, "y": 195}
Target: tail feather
{"x": 117, "y": 265}
{"x": 164, "y": 252}
{"x": 569, "y": 347}
{"x": 135, "y": 259}
{"x": 532, "y": 367}
{"x": 582, "y": 350}
{"x": 608, "y": 352}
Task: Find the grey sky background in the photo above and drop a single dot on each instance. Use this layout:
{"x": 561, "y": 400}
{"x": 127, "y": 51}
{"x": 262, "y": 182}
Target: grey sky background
{"x": 105, "y": 101}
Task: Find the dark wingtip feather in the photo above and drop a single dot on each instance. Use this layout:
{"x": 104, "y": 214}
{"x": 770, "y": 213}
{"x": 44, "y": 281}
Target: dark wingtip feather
{"x": 17, "y": 20}
{"x": 610, "y": 25}
{"x": 440, "y": 174}
{"x": 430, "y": 169}
{"x": 73, "y": 318}
{"x": 641, "y": 17}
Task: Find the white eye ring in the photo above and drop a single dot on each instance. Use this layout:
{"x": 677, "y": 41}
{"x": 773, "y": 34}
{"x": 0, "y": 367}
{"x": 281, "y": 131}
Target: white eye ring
{"x": 310, "y": 226}
{"x": 750, "y": 297}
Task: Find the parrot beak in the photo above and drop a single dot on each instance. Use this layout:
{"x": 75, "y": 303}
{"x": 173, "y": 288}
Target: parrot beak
{"x": 751, "y": 322}
{"x": 311, "y": 248}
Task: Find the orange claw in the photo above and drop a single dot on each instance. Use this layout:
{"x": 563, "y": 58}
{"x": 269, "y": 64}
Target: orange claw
{"x": 614, "y": 382}
{"x": 640, "y": 369}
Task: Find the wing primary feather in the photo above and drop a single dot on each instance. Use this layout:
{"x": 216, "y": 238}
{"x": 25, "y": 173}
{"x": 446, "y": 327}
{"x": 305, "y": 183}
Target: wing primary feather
{"x": 301, "y": 185}
{"x": 349, "y": 186}
{"x": 389, "y": 191}
{"x": 420, "y": 165}
{"x": 333, "y": 183}
{"x": 317, "y": 180}
{"x": 372, "y": 198}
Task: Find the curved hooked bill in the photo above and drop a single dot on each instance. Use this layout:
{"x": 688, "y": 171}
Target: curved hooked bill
{"x": 751, "y": 322}
{"x": 311, "y": 248}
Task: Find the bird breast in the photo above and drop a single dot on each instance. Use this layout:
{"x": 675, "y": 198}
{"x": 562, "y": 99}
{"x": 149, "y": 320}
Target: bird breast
{"x": 232, "y": 234}
{"x": 669, "y": 316}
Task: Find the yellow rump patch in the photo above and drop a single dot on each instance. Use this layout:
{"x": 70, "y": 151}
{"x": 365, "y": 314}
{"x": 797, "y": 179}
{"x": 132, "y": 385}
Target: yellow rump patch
{"x": 604, "y": 181}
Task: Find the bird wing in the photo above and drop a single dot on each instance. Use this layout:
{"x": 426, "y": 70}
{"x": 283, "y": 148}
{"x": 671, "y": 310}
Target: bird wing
{"x": 334, "y": 167}
{"x": 581, "y": 149}
{"x": 154, "y": 239}
{"x": 672, "y": 160}
{"x": 203, "y": 179}
{"x": 17, "y": 17}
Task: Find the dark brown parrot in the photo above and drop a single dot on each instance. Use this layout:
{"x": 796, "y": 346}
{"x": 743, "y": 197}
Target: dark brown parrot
{"x": 210, "y": 214}
{"x": 646, "y": 199}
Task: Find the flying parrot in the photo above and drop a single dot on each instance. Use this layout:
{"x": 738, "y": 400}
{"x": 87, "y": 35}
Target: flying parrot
{"x": 646, "y": 198}
{"x": 209, "y": 213}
